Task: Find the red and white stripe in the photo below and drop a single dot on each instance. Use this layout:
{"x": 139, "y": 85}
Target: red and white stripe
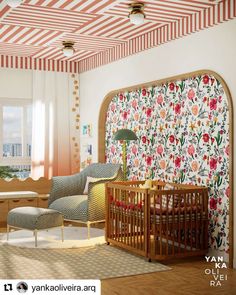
{"x": 83, "y": 42}
{"x": 18, "y": 50}
{"x": 27, "y": 36}
{"x": 88, "y": 6}
{"x": 100, "y": 29}
{"x": 46, "y": 18}
{"x": 17, "y": 62}
{"x": 115, "y": 27}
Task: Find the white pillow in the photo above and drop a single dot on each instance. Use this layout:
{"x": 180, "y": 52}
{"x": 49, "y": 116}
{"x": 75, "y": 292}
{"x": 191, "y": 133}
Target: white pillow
{"x": 89, "y": 179}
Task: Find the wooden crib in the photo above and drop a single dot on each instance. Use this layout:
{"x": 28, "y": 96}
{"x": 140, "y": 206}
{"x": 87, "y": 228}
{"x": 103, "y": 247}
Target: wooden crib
{"x": 169, "y": 221}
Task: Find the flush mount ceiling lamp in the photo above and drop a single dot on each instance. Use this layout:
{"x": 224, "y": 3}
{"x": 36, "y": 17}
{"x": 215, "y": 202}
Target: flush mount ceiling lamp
{"x": 68, "y": 49}
{"x": 137, "y": 14}
{"x": 14, "y": 3}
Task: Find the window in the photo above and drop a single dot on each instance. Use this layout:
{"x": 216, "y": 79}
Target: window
{"x": 15, "y": 138}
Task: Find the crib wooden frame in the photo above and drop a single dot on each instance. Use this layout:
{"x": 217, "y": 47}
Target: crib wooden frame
{"x": 170, "y": 221}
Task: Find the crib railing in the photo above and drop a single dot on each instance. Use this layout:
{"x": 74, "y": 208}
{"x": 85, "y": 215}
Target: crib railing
{"x": 168, "y": 221}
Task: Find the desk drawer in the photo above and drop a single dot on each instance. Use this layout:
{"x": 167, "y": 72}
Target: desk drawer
{"x": 30, "y": 202}
{"x": 43, "y": 201}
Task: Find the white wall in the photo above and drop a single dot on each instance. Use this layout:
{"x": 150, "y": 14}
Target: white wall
{"x": 15, "y": 83}
{"x": 212, "y": 49}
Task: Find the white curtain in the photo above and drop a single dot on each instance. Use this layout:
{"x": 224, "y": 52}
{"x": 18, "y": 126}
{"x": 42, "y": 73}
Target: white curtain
{"x": 51, "y": 153}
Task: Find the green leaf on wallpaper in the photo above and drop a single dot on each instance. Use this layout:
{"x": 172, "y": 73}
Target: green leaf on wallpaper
{"x": 128, "y": 96}
{"x": 181, "y": 86}
{"x": 218, "y": 139}
{"x": 217, "y": 82}
{"x": 198, "y": 80}
{"x": 199, "y": 136}
{"x": 152, "y": 174}
{"x": 152, "y": 91}
{"x": 152, "y": 140}
{"x": 218, "y": 240}
{"x": 182, "y": 176}
{"x": 219, "y": 180}
{"x": 182, "y": 140}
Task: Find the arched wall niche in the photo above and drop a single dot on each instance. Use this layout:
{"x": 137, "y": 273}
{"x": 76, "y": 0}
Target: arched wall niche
{"x": 185, "y": 130}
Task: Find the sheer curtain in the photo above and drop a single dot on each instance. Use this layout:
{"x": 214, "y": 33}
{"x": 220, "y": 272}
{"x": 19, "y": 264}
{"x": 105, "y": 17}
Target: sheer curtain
{"x": 51, "y": 153}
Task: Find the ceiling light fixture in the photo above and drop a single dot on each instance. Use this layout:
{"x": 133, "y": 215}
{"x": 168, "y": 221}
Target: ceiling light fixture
{"x": 68, "y": 49}
{"x": 137, "y": 15}
{"x": 14, "y": 3}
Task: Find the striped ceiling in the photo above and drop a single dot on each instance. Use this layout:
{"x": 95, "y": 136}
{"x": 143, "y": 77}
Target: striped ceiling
{"x": 31, "y": 35}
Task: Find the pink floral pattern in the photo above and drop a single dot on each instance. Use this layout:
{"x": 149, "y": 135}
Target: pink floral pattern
{"x": 183, "y": 131}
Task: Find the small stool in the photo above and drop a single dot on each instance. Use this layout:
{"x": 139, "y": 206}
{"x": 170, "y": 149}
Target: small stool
{"x": 33, "y": 218}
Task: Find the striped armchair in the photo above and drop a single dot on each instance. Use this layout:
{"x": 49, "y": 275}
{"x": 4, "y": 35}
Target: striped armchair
{"x": 66, "y": 195}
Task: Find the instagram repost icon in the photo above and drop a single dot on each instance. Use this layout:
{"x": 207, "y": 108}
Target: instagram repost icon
{"x": 22, "y": 287}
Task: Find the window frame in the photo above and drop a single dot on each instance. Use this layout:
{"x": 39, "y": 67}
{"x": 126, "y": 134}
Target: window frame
{"x": 18, "y": 160}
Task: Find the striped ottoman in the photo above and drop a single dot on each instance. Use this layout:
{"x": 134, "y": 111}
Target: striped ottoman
{"x": 33, "y": 218}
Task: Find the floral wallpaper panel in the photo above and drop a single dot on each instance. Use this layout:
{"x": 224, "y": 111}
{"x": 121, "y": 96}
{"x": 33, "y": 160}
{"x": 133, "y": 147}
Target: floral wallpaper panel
{"x": 183, "y": 136}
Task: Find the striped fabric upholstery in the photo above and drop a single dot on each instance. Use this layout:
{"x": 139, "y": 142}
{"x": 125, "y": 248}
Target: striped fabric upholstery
{"x": 34, "y": 218}
{"x": 66, "y": 192}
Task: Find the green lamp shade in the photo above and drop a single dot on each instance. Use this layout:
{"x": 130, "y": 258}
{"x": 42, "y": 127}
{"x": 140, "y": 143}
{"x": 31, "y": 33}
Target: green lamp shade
{"x": 124, "y": 134}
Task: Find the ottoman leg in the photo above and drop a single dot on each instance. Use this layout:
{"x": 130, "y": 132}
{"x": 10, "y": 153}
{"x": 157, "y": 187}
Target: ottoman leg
{"x": 8, "y": 229}
{"x": 35, "y": 237}
{"x": 62, "y": 233}
{"x": 88, "y": 226}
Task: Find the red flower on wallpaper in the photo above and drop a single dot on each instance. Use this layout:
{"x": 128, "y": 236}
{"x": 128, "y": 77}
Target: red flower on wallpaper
{"x": 121, "y": 96}
{"x": 191, "y": 150}
{"x": 177, "y": 108}
{"x": 172, "y": 86}
{"x": 171, "y": 138}
{"x": 148, "y": 112}
{"x": 227, "y": 191}
{"x": 213, "y": 104}
{"x": 213, "y": 164}
{"x": 134, "y": 149}
{"x": 213, "y": 204}
{"x": 125, "y": 114}
{"x": 191, "y": 94}
{"x": 113, "y": 107}
{"x": 205, "y": 137}
{"x": 160, "y": 99}
{"x": 149, "y": 160}
{"x": 144, "y": 139}
{"x": 227, "y": 150}
{"x": 113, "y": 149}
{"x": 160, "y": 149}
{"x": 177, "y": 162}
{"x": 134, "y": 103}
{"x": 205, "y": 79}
{"x": 144, "y": 92}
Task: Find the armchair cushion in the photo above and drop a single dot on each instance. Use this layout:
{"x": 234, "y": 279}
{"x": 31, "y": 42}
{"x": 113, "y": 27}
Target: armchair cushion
{"x": 72, "y": 207}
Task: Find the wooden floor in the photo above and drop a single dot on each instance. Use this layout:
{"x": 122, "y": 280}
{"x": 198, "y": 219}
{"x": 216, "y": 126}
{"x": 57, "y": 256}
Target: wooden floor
{"x": 185, "y": 278}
